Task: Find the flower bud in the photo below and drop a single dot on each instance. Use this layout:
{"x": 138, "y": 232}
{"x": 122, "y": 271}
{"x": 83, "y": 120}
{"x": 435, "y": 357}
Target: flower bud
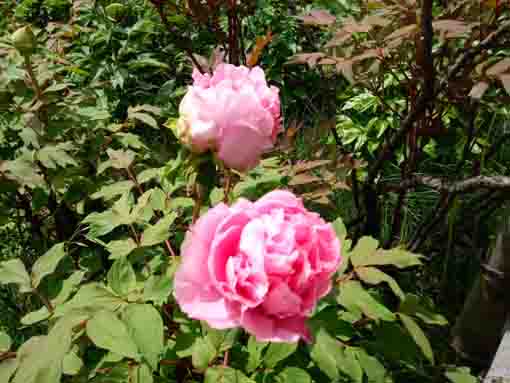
{"x": 116, "y": 11}
{"x": 24, "y": 40}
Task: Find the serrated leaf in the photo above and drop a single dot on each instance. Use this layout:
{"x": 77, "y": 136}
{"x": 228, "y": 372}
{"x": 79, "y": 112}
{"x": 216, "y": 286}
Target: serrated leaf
{"x": 114, "y": 190}
{"x": 225, "y": 375}
{"x": 14, "y": 271}
{"x": 157, "y": 289}
{"x": 121, "y": 248}
{"x": 364, "y": 250}
{"x": 276, "y": 352}
{"x": 418, "y": 336}
{"x": 159, "y": 232}
{"x": 374, "y": 276}
{"x": 107, "y": 331}
{"x": 325, "y": 352}
{"x": 47, "y": 264}
{"x": 419, "y": 308}
{"x": 353, "y": 296}
{"x": 146, "y": 329}
{"x": 121, "y": 277}
{"x": 145, "y": 118}
{"x": 5, "y": 342}
{"x": 293, "y": 375}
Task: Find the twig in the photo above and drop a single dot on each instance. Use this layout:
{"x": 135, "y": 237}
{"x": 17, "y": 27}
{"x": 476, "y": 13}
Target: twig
{"x": 7, "y": 355}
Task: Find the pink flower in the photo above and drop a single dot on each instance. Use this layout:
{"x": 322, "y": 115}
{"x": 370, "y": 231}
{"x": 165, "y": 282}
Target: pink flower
{"x": 262, "y": 266}
{"x": 233, "y": 113}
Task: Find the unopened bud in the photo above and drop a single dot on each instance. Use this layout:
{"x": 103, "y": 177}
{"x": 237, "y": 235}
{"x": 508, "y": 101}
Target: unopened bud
{"x": 116, "y": 11}
{"x": 24, "y": 40}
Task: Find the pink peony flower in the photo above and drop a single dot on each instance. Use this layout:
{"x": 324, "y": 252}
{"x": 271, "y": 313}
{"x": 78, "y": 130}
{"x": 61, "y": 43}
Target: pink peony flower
{"x": 233, "y": 113}
{"x": 262, "y": 266}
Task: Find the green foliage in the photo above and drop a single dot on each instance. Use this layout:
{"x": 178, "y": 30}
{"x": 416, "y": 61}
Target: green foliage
{"x": 97, "y": 194}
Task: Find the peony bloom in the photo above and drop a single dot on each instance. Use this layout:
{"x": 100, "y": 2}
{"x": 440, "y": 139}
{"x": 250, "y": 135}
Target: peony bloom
{"x": 260, "y": 265}
{"x": 233, "y": 113}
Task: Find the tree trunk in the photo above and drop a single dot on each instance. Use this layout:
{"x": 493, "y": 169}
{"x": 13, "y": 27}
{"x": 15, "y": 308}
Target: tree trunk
{"x": 479, "y": 327}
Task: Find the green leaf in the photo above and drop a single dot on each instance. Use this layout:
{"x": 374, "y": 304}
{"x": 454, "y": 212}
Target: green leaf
{"x": 374, "y": 276}
{"x": 121, "y": 248}
{"x": 277, "y": 352}
{"x": 350, "y": 365}
{"x": 14, "y": 271}
{"x": 159, "y": 232}
{"x": 364, "y": 251}
{"x": 121, "y": 277}
{"x": 418, "y": 336}
{"x": 68, "y": 286}
{"x": 47, "y": 264}
{"x": 326, "y": 352}
{"x": 222, "y": 340}
{"x": 374, "y": 370}
{"x": 142, "y": 374}
{"x": 145, "y": 118}
{"x": 395, "y": 257}
{"x": 102, "y": 223}
{"x": 92, "y": 296}
{"x": 225, "y": 375}
{"x": 354, "y": 297}
{"x": 293, "y": 375}
{"x": 72, "y": 364}
{"x": 421, "y": 309}
{"x": 460, "y": 375}
{"x": 149, "y": 174}
{"x": 41, "y": 357}
{"x": 114, "y": 190}
{"x": 203, "y": 353}
{"x": 255, "y": 350}
{"x": 120, "y": 159}
{"x": 53, "y": 156}
{"x": 157, "y": 289}
{"x": 146, "y": 328}
{"x": 147, "y": 62}
{"x": 340, "y": 229}
{"x": 5, "y": 342}
{"x": 109, "y": 332}
{"x": 35, "y": 316}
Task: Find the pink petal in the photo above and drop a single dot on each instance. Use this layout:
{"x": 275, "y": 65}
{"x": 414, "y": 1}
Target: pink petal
{"x": 282, "y": 302}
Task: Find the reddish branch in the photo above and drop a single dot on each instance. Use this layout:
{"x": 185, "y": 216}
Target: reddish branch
{"x": 424, "y": 99}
